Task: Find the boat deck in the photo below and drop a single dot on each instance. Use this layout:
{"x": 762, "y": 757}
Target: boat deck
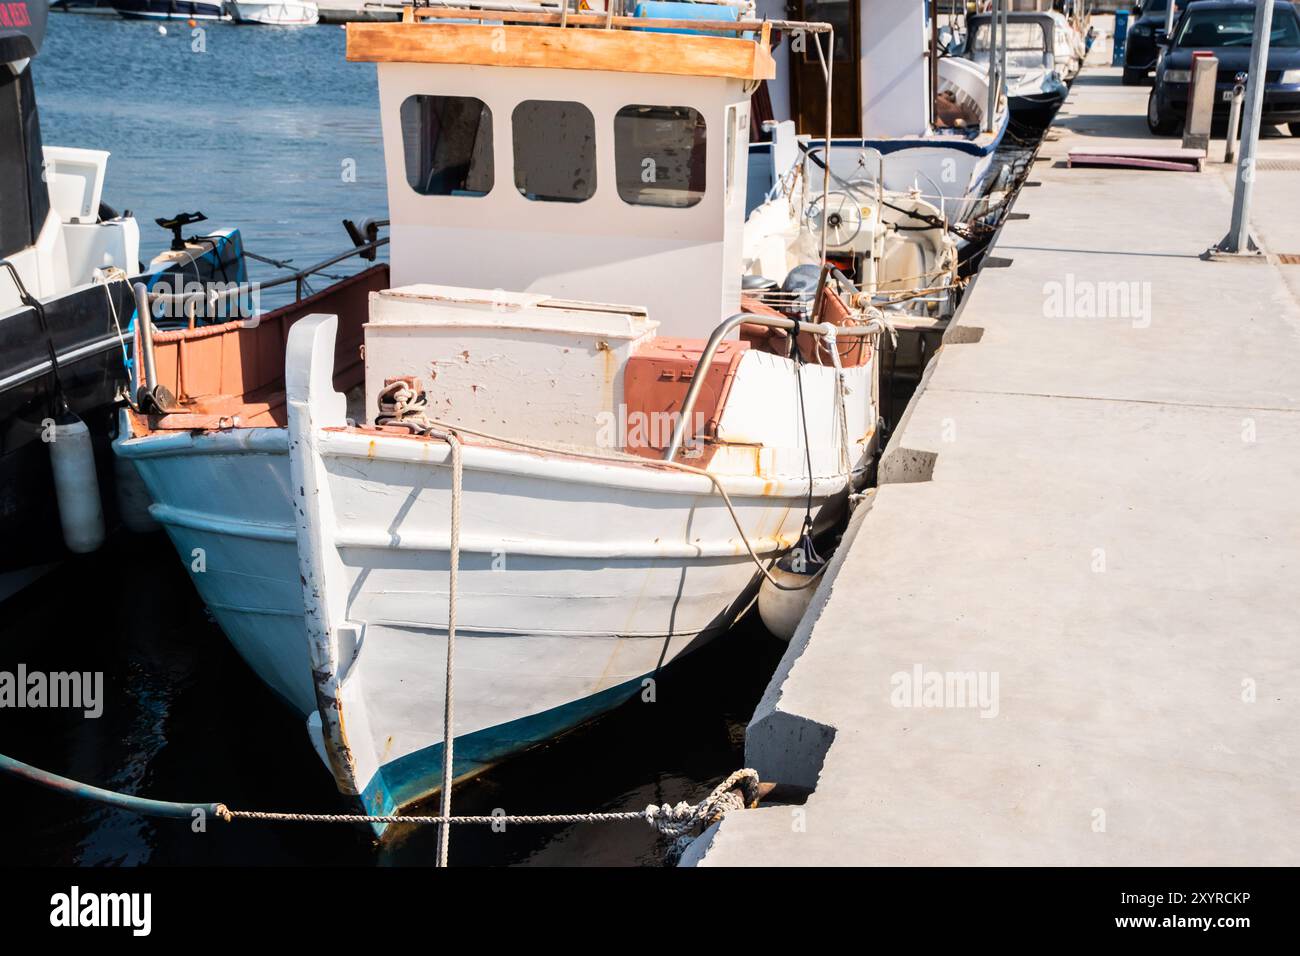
{"x": 1110, "y": 529}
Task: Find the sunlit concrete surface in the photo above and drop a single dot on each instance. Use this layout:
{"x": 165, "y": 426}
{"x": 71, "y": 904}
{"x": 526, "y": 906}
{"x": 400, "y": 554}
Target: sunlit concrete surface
{"x": 1111, "y": 531}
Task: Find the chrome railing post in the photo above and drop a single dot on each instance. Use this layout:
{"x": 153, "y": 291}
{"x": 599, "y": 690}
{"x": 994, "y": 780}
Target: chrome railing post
{"x": 725, "y": 329}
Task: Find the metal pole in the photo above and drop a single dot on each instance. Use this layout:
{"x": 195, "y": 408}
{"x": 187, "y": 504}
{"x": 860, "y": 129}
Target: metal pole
{"x": 1238, "y": 239}
{"x": 827, "y": 60}
{"x": 1234, "y": 118}
{"x": 1002, "y": 32}
{"x": 144, "y": 324}
{"x": 934, "y": 64}
{"x": 993, "y": 69}
{"x": 1169, "y": 18}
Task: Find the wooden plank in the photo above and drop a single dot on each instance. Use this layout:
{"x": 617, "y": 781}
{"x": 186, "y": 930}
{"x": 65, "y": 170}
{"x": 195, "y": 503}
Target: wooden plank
{"x": 618, "y": 51}
{"x": 1123, "y": 158}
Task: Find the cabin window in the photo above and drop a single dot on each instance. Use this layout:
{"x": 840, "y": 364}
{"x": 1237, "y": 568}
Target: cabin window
{"x": 659, "y": 155}
{"x": 555, "y": 150}
{"x": 448, "y": 145}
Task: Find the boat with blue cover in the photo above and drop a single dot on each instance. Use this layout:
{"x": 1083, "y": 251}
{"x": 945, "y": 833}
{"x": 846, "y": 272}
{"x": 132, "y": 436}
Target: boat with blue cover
{"x": 907, "y": 113}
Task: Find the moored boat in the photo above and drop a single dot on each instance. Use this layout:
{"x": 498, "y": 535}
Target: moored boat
{"x": 1041, "y": 58}
{"x": 68, "y": 262}
{"x": 277, "y": 13}
{"x": 171, "y": 9}
{"x": 905, "y": 112}
{"x": 478, "y": 433}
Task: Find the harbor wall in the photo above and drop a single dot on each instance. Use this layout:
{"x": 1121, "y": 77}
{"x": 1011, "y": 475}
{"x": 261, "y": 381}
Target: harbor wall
{"x": 1064, "y": 631}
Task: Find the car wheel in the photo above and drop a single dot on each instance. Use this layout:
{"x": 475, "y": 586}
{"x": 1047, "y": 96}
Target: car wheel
{"x": 1133, "y": 77}
{"x": 1156, "y": 122}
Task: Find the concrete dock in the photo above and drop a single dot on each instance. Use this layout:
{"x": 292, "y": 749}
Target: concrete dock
{"x": 1067, "y": 629}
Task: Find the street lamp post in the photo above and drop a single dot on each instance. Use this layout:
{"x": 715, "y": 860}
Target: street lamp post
{"x": 1237, "y": 241}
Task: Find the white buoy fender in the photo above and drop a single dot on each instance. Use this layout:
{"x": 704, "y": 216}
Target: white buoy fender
{"x": 72, "y": 458}
{"x": 133, "y": 499}
{"x": 782, "y": 610}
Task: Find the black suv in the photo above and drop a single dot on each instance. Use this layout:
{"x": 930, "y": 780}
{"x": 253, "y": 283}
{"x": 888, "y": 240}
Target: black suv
{"x": 1141, "y": 49}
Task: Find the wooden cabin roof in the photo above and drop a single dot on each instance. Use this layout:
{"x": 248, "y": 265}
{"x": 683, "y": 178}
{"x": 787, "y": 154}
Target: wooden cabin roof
{"x": 584, "y": 42}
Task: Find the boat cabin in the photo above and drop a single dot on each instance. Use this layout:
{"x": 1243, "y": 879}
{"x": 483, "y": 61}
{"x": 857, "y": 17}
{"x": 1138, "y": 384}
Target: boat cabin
{"x": 539, "y": 174}
{"x": 595, "y": 160}
{"x": 1034, "y": 40}
{"x": 885, "y": 85}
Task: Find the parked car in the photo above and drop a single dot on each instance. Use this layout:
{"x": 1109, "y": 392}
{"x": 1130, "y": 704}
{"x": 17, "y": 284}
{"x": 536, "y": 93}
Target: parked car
{"x": 1142, "y": 50}
{"x": 1226, "y": 28}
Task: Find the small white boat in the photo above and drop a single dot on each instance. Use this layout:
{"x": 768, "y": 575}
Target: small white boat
{"x": 276, "y": 13}
{"x": 609, "y": 482}
{"x": 1042, "y": 56}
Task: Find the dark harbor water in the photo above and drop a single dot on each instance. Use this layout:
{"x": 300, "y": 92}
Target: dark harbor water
{"x": 185, "y": 719}
{"x": 257, "y": 132}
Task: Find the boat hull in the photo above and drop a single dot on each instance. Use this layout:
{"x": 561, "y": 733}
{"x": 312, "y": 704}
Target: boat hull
{"x": 170, "y": 10}
{"x": 1036, "y": 109}
{"x": 552, "y": 630}
{"x": 92, "y": 369}
{"x": 280, "y": 13}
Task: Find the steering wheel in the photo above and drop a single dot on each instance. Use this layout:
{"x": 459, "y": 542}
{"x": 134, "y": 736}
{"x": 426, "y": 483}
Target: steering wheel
{"x": 843, "y": 217}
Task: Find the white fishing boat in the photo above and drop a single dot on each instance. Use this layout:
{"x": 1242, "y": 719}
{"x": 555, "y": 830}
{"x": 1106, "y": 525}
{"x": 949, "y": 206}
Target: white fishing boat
{"x": 476, "y": 434}
{"x": 276, "y": 13}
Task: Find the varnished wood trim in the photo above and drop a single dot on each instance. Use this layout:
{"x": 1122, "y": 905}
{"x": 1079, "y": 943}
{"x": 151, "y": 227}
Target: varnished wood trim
{"x": 619, "y": 51}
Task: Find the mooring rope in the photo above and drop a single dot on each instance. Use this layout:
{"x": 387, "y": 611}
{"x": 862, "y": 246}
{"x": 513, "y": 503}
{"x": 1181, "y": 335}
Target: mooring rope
{"x": 453, "y": 570}
{"x": 674, "y": 821}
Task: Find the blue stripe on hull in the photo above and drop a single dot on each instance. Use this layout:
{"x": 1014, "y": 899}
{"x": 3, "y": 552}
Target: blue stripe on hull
{"x": 418, "y": 775}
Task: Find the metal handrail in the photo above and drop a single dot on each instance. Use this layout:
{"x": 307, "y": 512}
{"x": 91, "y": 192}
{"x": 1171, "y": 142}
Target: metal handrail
{"x": 297, "y": 278}
{"x": 823, "y": 329}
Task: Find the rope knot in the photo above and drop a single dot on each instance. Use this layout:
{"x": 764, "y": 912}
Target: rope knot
{"x": 680, "y": 822}
{"x": 673, "y": 820}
